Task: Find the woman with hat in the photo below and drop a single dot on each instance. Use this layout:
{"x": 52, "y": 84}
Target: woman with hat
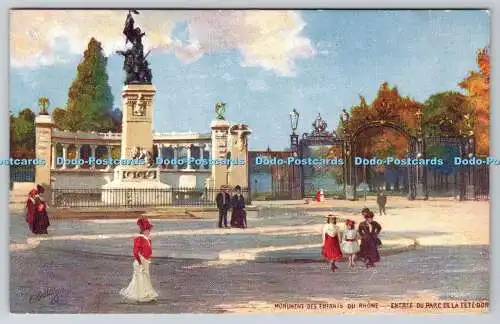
{"x": 238, "y": 215}
{"x": 331, "y": 244}
{"x": 369, "y": 231}
{"x": 140, "y": 288}
{"x": 36, "y": 212}
{"x": 350, "y": 245}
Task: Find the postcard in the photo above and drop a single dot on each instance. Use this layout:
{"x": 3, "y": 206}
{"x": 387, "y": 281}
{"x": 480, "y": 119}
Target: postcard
{"x": 249, "y": 161}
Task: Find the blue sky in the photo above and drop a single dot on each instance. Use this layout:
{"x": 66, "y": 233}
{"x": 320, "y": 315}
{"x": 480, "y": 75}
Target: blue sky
{"x": 321, "y": 63}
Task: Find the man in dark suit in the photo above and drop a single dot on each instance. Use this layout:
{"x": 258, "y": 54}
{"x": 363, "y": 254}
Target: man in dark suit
{"x": 381, "y": 202}
{"x": 223, "y": 201}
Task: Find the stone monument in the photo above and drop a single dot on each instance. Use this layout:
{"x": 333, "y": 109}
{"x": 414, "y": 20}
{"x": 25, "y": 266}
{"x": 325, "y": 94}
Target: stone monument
{"x": 228, "y": 143}
{"x": 238, "y": 175}
{"x": 137, "y": 129}
{"x": 220, "y": 148}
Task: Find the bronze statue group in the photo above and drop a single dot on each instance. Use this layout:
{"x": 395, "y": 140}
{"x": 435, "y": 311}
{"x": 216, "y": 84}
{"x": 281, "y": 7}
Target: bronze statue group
{"x": 362, "y": 243}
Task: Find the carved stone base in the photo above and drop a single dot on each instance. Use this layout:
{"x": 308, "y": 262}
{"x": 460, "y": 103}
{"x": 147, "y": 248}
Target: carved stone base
{"x": 137, "y": 186}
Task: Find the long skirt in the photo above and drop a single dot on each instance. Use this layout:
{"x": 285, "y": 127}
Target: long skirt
{"x": 369, "y": 249}
{"x": 238, "y": 218}
{"x": 350, "y": 247}
{"x": 331, "y": 250}
{"x": 40, "y": 223}
{"x": 140, "y": 288}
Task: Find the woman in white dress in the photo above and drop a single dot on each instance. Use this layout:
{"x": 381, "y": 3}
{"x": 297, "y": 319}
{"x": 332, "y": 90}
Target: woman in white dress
{"x": 140, "y": 288}
{"x": 350, "y": 244}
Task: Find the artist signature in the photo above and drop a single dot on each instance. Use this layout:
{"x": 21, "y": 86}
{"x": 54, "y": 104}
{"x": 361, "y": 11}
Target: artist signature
{"x": 52, "y": 294}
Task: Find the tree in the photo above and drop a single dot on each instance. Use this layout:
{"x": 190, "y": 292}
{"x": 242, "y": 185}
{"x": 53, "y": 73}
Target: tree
{"x": 59, "y": 118}
{"x": 22, "y": 134}
{"x": 446, "y": 114}
{"x": 90, "y": 100}
{"x": 477, "y": 87}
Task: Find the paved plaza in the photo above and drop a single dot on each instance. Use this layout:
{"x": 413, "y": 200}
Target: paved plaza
{"x": 432, "y": 250}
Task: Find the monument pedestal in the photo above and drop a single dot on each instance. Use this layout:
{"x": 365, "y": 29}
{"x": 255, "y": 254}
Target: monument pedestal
{"x": 136, "y": 186}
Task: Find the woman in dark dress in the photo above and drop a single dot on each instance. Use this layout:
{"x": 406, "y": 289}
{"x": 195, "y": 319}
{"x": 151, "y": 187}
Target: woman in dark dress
{"x": 238, "y": 215}
{"x": 370, "y": 242}
{"x": 37, "y": 217}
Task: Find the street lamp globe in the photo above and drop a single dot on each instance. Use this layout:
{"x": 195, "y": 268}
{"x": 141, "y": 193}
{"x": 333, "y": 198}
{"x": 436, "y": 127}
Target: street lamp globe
{"x": 294, "y": 119}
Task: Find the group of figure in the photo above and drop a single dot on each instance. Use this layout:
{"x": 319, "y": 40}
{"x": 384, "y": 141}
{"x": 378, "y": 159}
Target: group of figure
{"x": 236, "y": 203}
{"x": 135, "y": 65}
{"x": 337, "y": 245}
{"x": 143, "y": 154}
{"x": 36, "y": 211}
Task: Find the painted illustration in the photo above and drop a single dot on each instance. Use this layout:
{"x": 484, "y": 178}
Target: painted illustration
{"x": 249, "y": 161}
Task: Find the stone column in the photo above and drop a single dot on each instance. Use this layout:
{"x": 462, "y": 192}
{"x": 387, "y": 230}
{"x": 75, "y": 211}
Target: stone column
{"x": 43, "y": 131}
{"x": 92, "y": 154}
{"x": 219, "y": 152}
{"x": 239, "y": 155}
{"x": 188, "y": 156}
{"x": 64, "y": 154}
{"x": 137, "y": 124}
{"x": 77, "y": 155}
{"x": 208, "y": 148}
{"x": 53, "y": 163}
{"x": 176, "y": 155}
{"x": 108, "y": 148}
{"x": 159, "y": 148}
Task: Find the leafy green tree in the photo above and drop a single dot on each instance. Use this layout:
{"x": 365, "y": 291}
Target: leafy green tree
{"x": 22, "y": 134}
{"x": 59, "y": 118}
{"x": 446, "y": 114}
{"x": 90, "y": 101}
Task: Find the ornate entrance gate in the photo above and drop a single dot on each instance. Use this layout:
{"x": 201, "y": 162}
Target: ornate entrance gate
{"x": 338, "y": 176}
{"x": 271, "y": 180}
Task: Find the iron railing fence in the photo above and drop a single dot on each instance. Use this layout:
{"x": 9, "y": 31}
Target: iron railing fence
{"x": 148, "y": 197}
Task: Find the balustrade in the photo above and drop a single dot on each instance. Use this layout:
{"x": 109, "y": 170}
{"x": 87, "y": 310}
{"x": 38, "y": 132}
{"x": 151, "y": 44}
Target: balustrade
{"x": 166, "y": 151}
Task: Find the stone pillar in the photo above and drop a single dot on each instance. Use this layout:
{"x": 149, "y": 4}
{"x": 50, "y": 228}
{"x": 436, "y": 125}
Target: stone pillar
{"x": 219, "y": 152}
{"x": 176, "y": 155}
{"x": 188, "y": 157}
{"x": 53, "y": 163}
{"x": 239, "y": 155}
{"x": 78, "y": 149}
{"x": 108, "y": 148}
{"x": 207, "y": 148}
{"x": 137, "y": 124}
{"x": 92, "y": 155}
{"x": 43, "y": 150}
{"x": 64, "y": 154}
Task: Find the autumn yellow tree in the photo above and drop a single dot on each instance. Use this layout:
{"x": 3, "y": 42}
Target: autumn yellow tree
{"x": 477, "y": 87}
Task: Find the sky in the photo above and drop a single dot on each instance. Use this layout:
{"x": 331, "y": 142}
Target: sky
{"x": 261, "y": 63}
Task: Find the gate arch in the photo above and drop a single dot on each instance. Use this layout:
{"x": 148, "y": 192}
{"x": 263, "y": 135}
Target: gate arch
{"x": 416, "y": 173}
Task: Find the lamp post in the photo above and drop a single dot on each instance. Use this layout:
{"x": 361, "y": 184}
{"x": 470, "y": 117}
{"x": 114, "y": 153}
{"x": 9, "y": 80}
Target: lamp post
{"x": 294, "y": 146}
{"x": 294, "y": 138}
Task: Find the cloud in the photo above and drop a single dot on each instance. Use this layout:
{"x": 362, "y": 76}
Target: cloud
{"x": 257, "y": 85}
{"x": 268, "y": 39}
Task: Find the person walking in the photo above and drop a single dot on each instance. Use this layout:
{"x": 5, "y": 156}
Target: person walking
{"x": 223, "y": 201}
{"x": 350, "y": 244}
{"x": 381, "y": 202}
{"x": 238, "y": 215}
{"x": 331, "y": 244}
{"x": 369, "y": 231}
{"x": 140, "y": 288}
{"x": 36, "y": 212}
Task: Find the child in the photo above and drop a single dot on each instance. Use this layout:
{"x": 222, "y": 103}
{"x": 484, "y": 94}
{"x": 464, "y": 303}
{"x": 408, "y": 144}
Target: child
{"x": 140, "y": 288}
{"x": 331, "y": 244}
{"x": 350, "y": 245}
